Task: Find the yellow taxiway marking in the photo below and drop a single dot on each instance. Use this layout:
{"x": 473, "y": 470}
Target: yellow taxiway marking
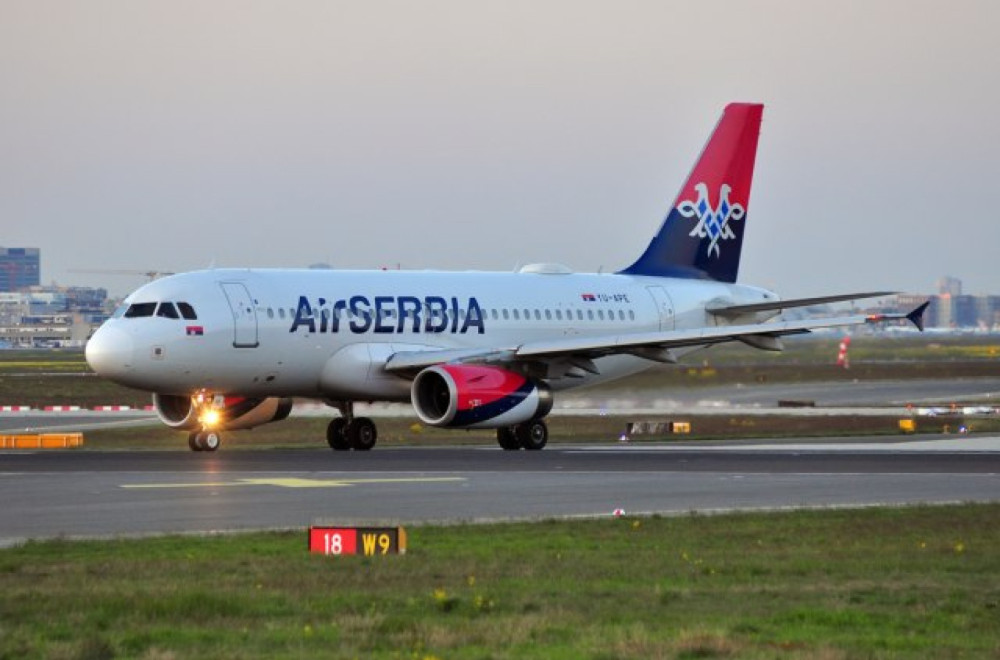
{"x": 295, "y": 482}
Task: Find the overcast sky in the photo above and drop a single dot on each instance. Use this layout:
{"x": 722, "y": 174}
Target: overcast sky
{"x": 483, "y": 135}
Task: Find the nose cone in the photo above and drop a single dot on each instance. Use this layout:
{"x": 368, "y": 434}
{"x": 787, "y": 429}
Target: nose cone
{"x": 110, "y": 352}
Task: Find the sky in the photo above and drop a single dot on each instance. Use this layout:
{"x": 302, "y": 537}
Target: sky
{"x": 171, "y": 136}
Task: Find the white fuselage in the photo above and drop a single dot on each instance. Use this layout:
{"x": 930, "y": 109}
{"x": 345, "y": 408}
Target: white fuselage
{"x": 326, "y": 334}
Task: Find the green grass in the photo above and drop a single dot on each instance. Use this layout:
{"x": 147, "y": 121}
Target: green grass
{"x": 913, "y": 582}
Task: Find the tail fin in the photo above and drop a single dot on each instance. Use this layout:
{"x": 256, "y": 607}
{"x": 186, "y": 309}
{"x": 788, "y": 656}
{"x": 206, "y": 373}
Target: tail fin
{"x": 703, "y": 233}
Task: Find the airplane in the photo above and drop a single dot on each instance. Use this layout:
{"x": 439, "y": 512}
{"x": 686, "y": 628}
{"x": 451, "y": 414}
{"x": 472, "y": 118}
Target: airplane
{"x": 228, "y": 349}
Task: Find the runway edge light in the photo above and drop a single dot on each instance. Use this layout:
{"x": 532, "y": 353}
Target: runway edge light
{"x": 366, "y": 541}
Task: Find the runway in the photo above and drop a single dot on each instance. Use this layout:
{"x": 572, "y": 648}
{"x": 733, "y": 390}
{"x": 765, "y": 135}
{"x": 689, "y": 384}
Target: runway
{"x": 98, "y": 493}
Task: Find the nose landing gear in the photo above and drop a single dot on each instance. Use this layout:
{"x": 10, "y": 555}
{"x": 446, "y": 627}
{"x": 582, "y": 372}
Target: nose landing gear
{"x": 204, "y": 441}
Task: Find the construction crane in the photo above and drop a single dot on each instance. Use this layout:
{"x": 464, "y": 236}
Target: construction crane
{"x": 149, "y": 274}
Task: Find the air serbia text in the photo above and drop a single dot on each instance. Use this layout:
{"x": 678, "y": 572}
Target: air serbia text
{"x": 389, "y": 315}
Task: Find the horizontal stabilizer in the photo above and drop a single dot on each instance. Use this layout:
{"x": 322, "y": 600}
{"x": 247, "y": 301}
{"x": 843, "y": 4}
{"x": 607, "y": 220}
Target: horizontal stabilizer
{"x": 736, "y": 310}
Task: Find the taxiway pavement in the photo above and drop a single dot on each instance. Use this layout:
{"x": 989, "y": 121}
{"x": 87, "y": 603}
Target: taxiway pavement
{"x": 112, "y": 493}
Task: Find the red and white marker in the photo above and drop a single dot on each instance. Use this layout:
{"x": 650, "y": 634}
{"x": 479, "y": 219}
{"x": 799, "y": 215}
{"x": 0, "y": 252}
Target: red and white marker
{"x": 842, "y": 360}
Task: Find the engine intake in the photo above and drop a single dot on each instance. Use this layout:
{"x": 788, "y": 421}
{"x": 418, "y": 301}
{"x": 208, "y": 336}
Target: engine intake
{"x": 185, "y": 412}
{"x": 472, "y": 396}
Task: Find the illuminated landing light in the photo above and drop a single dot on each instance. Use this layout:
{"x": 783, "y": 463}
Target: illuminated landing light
{"x": 210, "y": 418}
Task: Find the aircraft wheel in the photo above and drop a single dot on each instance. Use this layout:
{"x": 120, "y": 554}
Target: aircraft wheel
{"x": 336, "y": 434}
{"x": 362, "y": 434}
{"x": 193, "y": 442}
{"x": 532, "y": 435}
{"x": 507, "y": 440}
{"x": 210, "y": 440}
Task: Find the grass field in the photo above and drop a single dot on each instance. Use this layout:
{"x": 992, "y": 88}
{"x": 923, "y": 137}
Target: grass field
{"x": 913, "y": 582}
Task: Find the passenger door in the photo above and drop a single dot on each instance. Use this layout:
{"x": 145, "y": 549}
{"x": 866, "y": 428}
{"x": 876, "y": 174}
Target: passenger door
{"x": 664, "y": 305}
{"x": 244, "y": 314}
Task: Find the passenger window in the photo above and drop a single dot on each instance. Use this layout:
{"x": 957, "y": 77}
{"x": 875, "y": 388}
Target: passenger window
{"x": 187, "y": 311}
{"x": 506, "y": 314}
{"x": 579, "y": 315}
{"x": 600, "y": 314}
{"x": 517, "y": 315}
{"x": 631, "y": 315}
{"x": 538, "y": 315}
{"x": 548, "y": 315}
{"x": 281, "y": 312}
{"x": 590, "y": 314}
{"x": 621, "y": 314}
{"x": 167, "y": 311}
{"x": 493, "y": 313}
{"x": 270, "y": 313}
{"x": 140, "y": 310}
{"x": 559, "y": 315}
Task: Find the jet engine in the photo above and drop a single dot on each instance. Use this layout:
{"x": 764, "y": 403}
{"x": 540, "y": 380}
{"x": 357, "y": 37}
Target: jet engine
{"x": 457, "y": 396}
{"x": 219, "y": 413}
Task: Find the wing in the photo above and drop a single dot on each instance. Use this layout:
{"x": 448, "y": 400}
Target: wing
{"x": 580, "y": 352}
{"x": 730, "y": 311}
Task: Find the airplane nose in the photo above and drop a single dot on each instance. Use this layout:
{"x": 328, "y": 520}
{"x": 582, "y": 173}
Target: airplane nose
{"x": 110, "y": 352}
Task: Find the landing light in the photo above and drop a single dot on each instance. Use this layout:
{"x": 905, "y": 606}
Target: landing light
{"x": 210, "y": 418}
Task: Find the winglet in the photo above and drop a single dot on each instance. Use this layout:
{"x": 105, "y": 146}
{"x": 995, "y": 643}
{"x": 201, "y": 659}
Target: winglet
{"x": 916, "y": 317}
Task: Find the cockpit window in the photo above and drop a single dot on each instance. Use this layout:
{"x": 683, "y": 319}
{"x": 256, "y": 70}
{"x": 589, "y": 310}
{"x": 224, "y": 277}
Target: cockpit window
{"x": 187, "y": 311}
{"x": 119, "y": 311}
{"x": 139, "y": 310}
{"x": 167, "y": 311}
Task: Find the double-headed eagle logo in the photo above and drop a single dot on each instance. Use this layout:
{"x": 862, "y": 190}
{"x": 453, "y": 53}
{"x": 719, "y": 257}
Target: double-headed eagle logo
{"x": 712, "y": 223}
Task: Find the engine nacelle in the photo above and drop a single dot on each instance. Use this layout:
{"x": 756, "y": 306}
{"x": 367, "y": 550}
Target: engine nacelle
{"x": 463, "y": 396}
{"x": 188, "y": 413}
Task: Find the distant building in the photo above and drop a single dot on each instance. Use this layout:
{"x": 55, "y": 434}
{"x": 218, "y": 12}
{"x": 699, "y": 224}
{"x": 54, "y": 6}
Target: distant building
{"x": 988, "y": 312}
{"x": 949, "y": 286}
{"x": 954, "y": 310}
{"x": 50, "y": 316}
{"x": 19, "y": 268}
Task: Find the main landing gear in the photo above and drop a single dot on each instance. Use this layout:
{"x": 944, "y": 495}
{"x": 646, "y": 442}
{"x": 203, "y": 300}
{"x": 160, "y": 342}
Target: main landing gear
{"x": 531, "y": 435}
{"x": 204, "y": 441}
{"x": 350, "y": 432}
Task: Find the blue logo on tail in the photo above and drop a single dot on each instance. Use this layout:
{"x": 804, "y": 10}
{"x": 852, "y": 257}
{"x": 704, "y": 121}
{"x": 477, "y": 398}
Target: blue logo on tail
{"x": 712, "y": 223}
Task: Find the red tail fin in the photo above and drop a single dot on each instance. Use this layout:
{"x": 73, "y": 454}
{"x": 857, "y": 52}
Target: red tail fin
{"x": 703, "y": 233}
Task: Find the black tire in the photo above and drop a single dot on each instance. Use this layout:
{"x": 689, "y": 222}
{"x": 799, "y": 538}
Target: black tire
{"x": 362, "y": 434}
{"x": 532, "y": 435}
{"x": 210, "y": 440}
{"x": 193, "y": 442}
{"x": 336, "y": 435}
{"x": 507, "y": 440}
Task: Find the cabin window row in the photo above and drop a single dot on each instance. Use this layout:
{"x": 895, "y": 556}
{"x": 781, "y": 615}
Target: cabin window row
{"x": 494, "y": 313}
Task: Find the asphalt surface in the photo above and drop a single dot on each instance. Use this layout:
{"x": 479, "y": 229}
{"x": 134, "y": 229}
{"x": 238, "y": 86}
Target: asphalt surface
{"x": 104, "y": 493}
